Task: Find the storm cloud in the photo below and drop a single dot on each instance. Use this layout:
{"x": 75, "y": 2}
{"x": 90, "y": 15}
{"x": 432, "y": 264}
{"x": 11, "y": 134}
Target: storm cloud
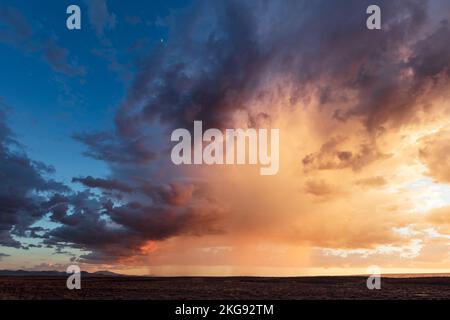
{"x": 23, "y": 185}
{"x": 109, "y": 232}
{"x": 225, "y": 58}
{"x": 222, "y": 55}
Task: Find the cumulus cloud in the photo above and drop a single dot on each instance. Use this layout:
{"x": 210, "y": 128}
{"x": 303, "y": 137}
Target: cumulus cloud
{"x": 228, "y": 59}
{"x": 23, "y": 182}
{"x": 236, "y": 63}
{"x": 209, "y": 73}
{"x": 110, "y": 232}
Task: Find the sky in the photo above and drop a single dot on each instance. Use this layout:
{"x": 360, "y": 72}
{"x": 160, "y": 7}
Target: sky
{"x": 86, "y": 118}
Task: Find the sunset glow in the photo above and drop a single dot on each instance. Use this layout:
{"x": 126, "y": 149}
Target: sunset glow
{"x": 364, "y": 138}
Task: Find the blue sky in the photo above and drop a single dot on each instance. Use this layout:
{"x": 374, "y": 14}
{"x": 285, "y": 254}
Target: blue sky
{"x": 48, "y": 107}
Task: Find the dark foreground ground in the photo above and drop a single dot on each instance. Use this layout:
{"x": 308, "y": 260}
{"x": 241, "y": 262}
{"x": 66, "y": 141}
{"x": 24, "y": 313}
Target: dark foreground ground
{"x": 224, "y": 288}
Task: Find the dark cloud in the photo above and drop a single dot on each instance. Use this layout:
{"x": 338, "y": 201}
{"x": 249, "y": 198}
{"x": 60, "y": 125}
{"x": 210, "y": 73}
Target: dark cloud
{"x": 3, "y": 255}
{"x": 106, "y": 227}
{"x": 220, "y": 57}
{"x": 109, "y": 232}
{"x": 23, "y": 181}
{"x": 103, "y": 184}
{"x": 182, "y": 82}
{"x": 177, "y": 194}
{"x": 222, "y": 54}
{"x": 394, "y": 87}
{"x": 174, "y": 193}
{"x": 432, "y": 55}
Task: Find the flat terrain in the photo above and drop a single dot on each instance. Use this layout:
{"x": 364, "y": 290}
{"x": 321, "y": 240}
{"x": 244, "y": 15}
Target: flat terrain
{"x": 39, "y": 287}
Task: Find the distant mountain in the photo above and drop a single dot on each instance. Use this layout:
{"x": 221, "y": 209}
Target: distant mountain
{"x": 54, "y": 273}
{"x": 106, "y": 273}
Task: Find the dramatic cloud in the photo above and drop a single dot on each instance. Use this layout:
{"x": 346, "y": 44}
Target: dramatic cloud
{"x": 361, "y": 115}
{"x": 110, "y": 232}
{"x": 22, "y": 189}
{"x": 209, "y": 73}
{"x": 250, "y": 64}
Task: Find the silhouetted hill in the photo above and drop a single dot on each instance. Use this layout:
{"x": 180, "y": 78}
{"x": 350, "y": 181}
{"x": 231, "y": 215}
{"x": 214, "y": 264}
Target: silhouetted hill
{"x": 54, "y": 273}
